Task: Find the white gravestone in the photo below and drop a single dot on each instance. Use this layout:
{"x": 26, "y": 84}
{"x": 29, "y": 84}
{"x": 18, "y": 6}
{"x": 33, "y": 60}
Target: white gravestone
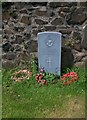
{"x": 84, "y": 41}
{"x": 49, "y": 52}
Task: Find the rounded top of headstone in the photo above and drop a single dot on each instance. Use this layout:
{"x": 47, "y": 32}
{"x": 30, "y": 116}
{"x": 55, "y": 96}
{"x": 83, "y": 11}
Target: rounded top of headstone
{"x": 85, "y": 27}
{"x": 49, "y": 33}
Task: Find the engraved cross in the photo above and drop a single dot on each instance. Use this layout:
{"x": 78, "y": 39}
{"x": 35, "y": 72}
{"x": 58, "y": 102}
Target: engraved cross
{"x": 49, "y": 61}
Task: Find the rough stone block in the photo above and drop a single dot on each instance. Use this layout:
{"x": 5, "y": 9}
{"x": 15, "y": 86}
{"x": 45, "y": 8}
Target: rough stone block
{"x": 41, "y": 21}
{"x": 24, "y": 10}
{"x": 6, "y": 15}
{"x": 50, "y": 27}
{"x": 67, "y": 58}
{"x": 57, "y": 21}
{"x": 9, "y": 56}
{"x": 78, "y": 16}
{"x": 25, "y": 19}
{"x": 41, "y": 11}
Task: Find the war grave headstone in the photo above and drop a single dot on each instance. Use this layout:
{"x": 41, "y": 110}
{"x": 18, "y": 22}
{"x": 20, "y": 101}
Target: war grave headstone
{"x": 84, "y": 41}
{"x": 49, "y": 52}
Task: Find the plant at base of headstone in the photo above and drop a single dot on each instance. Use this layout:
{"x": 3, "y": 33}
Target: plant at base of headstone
{"x": 40, "y": 77}
{"x": 45, "y": 77}
{"x": 69, "y": 78}
{"x": 50, "y": 77}
{"x": 33, "y": 66}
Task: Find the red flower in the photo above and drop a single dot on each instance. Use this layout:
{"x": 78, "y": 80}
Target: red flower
{"x": 39, "y": 81}
{"x": 40, "y": 77}
{"x": 72, "y": 73}
{"x": 41, "y": 70}
{"x": 73, "y": 76}
{"x": 45, "y": 82}
{"x": 36, "y": 77}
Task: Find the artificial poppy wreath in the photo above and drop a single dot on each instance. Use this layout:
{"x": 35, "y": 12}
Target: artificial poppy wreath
{"x": 69, "y": 78}
{"x": 39, "y": 77}
{"x": 21, "y": 75}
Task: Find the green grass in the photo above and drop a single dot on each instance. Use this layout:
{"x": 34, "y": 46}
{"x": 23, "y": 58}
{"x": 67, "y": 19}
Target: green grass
{"x": 28, "y": 99}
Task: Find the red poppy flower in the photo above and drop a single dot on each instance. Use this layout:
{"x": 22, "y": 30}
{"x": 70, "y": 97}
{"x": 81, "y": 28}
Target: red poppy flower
{"x": 36, "y": 77}
{"x": 72, "y": 76}
{"x": 39, "y": 81}
{"x": 41, "y": 70}
{"x": 40, "y": 77}
{"x": 46, "y": 83}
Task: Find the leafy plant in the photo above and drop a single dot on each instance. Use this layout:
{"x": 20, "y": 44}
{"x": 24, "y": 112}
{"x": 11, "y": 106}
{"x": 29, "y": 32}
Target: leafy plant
{"x": 49, "y": 77}
{"x": 45, "y": 77}
{"x": 33, "y": 66}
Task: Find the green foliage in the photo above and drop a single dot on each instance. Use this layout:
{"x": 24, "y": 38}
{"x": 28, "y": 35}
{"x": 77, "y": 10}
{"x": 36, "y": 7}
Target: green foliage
{"x": 33, "y": 66}
{"x": 0, "y": 76}
{"x": 49, "y": 77}
{"x": 28, "y": 99}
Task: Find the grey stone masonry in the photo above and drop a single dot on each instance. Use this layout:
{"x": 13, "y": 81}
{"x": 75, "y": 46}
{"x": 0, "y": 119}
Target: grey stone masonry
{"x": 0, "y": 35}
{"x": 22, "y": 21}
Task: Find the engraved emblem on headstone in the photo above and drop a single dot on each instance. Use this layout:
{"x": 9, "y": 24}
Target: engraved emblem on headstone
{"x": 49, "y": 51}
{"x": 49, "y": 43}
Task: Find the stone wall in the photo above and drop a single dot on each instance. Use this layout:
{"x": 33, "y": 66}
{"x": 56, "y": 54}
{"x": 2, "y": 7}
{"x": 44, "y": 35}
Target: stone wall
{"x": 21, "y": 21}
{"x": 0, "y": 36}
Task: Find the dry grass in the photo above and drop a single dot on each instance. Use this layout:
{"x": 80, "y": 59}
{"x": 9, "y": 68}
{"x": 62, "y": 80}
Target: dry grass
{"x": 74, "y": 108}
